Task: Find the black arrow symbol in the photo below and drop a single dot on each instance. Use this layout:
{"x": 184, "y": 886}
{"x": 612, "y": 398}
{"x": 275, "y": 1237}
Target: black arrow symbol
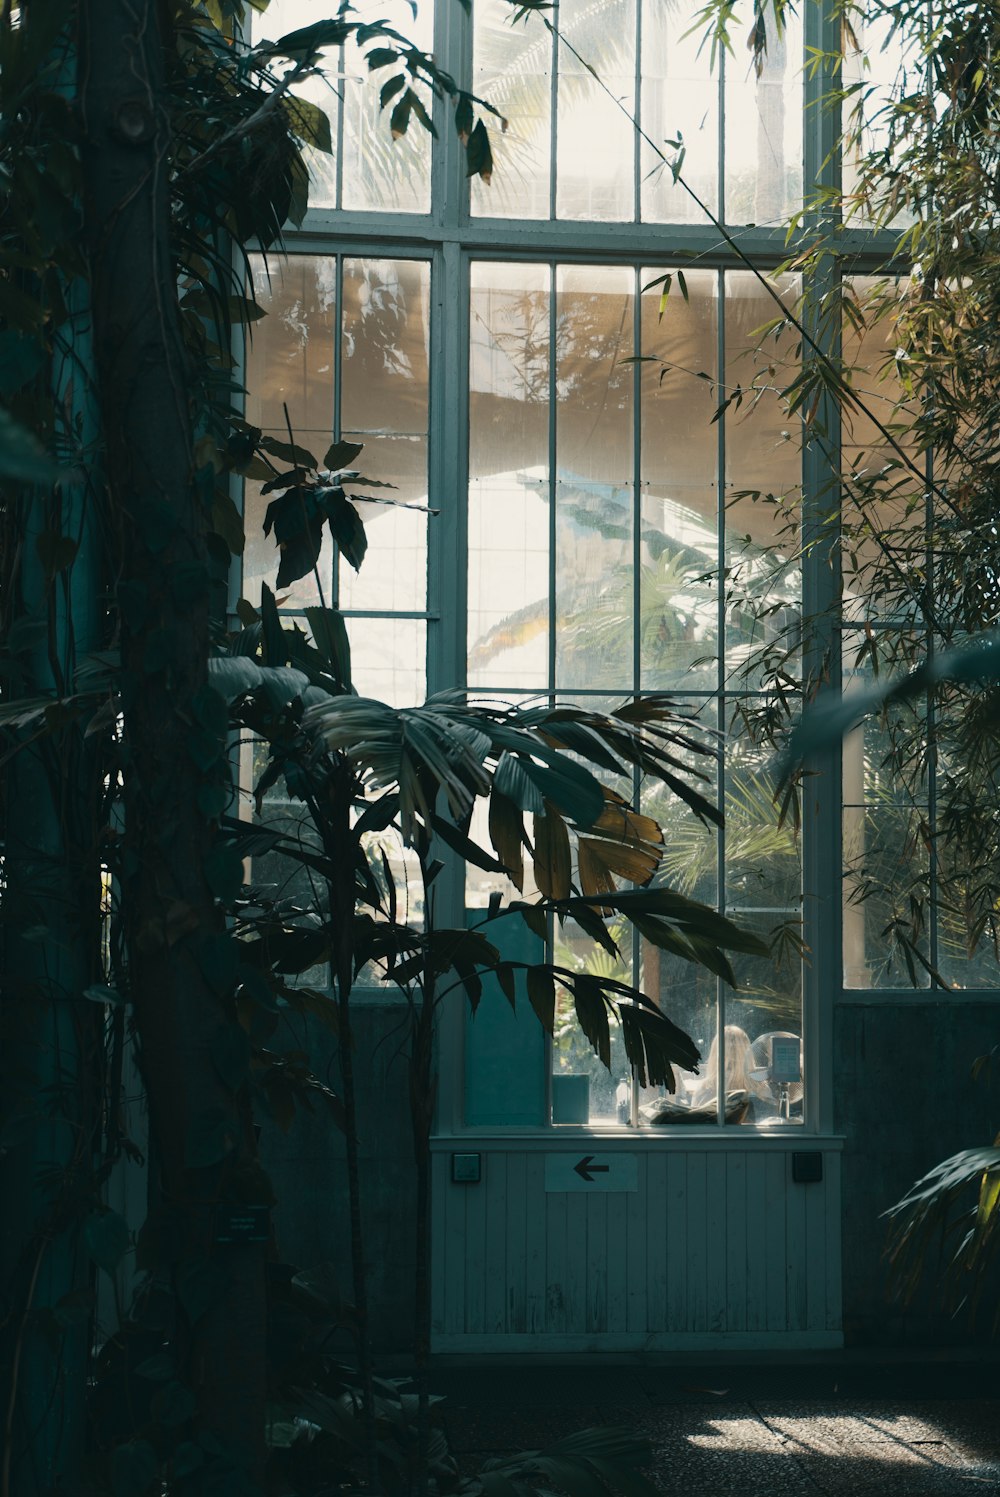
{"x": 586, "y": 1168}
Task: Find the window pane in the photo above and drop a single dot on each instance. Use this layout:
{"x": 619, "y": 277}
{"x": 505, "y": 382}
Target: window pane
{"x": 290, "y": 351}
{"x": 763, "y": 882}
{"x": 764, "y": 130}
{"x": 594, "y": 442}
{"x": 281, "y": 18}
{"x": 763, "y": 444}
{"x": 388, "y": 659}
{"x": 583, "y": 1089}
{"x": 595, "y": 139}
{"x": 679, "y": 606}
{"x": 509, "y": 476}
{"x": 380, "y": 172}
{"x": 763, "y": 1042}
{"x": 679, "y": 93}
{"x": 386, "y": 347}
{"x": 885, "y": 827}
{"x": 687, "y": 994}
{"x": 512, "y": 68}
{"x": 884, "y": 501}
{"x": 290, "y": 359}
{"x": 384, "y": 406}
{"x": 882, "y": 65}
{"x": 393, "y": 575}
{"x": 763, "y": 484}
{"x": 763, "y": 894}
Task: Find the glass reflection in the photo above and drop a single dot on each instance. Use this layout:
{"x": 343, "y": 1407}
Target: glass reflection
{"x": 384, "y": 407}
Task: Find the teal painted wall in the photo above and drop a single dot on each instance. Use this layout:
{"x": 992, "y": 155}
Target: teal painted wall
{"x": 905, "y": 1100}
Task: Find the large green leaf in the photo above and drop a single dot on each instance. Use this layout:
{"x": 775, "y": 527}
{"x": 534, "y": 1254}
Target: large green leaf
{"x": 306, "y": 43}
{"x": 329, "y": 634}
{"x": 309, "y": 122}
{"x": 236, "y": 675}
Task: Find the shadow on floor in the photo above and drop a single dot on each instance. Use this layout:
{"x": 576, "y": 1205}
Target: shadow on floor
{"x": 903, "y": 1430}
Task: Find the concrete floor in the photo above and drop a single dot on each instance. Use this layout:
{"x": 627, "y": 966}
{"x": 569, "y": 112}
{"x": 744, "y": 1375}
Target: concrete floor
{"x": 903, "y": 1429}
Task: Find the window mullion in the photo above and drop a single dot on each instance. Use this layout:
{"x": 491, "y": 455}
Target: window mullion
{"x": 338, "y": 386}
{"x": 638, "y": 977}
{"x": 448, "y": 478}
{"x": 721, "y": 893}
{"x": 554, "y": 111}
{"x": 453, "y": 49}
{"x": 637, "y": 105}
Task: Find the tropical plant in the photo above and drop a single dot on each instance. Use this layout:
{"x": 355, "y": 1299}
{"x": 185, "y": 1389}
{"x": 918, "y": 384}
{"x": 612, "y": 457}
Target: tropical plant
{"x": 120, "y": 701}
{"x": 143, "y": 149}
{"x": 372, "y": 776}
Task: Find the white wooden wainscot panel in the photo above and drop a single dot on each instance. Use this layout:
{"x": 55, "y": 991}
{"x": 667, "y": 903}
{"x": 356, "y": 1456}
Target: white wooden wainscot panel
{"x": 573, "y": 1249}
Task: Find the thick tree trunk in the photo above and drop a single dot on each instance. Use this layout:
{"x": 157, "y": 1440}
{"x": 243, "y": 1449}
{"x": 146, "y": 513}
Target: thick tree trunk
{"x": 49, "y": 1037}
{"x": 181, "y": 964}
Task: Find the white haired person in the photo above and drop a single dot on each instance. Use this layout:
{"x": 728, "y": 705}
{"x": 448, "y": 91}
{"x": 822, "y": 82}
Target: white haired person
{"x": 742, "y": 1091}
{"x": 745, "y": 1097}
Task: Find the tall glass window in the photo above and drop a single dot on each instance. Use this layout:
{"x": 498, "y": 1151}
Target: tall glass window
{"x": 560, "y": 374}
{"x": 608, "y": 515}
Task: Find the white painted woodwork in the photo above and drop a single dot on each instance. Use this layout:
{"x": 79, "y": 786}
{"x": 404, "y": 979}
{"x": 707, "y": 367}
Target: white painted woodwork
{"x": 715, "y": 1247}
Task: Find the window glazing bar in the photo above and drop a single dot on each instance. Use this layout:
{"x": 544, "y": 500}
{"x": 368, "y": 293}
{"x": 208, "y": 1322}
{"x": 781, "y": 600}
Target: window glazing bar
{"x": 341, "y": 93}
{"x": 637, "y": 106}
{"x": 822, "y": 857}
{"x": 553, "y": 110}
{"x": 449, "y": 184}
{"x": 721, "y": 207}
{"x": 338, "y": 369}
{"x": 637, "y": 973}
{"x": 720, "y": 605}
{"x": 553, "y": 471}
{"x": 412, "y": 236}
